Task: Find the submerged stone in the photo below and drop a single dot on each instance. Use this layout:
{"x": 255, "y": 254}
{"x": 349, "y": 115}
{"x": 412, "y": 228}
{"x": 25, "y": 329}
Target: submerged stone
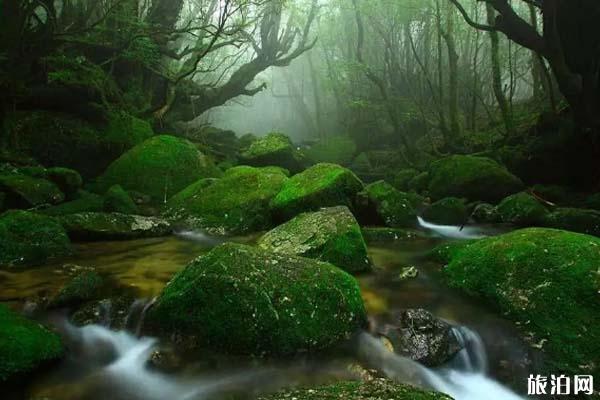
{"x": 243, "y": 299}
{"x": 273, "y": 149}
{"x": 25, "y": 345}
{"x": 83, "y": 287}
{"x": 471, "y": 177}
{"x": 159, "y": 167}
{"x": 235, "y": 204}
{"x": 546, "y": 279}
{"x": 27, "y": 239}
{"x": 448, "y": 211}
{"x": 330, "y": 235}
{"x": 522, "y": 209}
{"x": 322, "y": 185}
{"x": 112, "y": 226}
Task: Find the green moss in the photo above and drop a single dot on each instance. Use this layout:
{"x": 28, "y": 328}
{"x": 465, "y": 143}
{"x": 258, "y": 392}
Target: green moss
{"x": 126, "y": 130}
{"x": 575, "y": 220}
{"x": 85, "y": 202}
{"x": 273, "y": 149}
{"x": 380, "y": 203}
{"x": 546, "y": 279}
{"x": 402, "y": 180}
{"x": 242, "y": 299}
{"x": 236, "y": 203}
{"x": 474, "y": 178}
{"x": 448, "y": 211}
{"x": 69, "y": 181}
{"x": 159, "y": 167}
{"x": 445, "y": 252}
{"x": 356, "y": 390}
{"x": 485, "y": 213}
{"x": 24, "y": 345}
{"x": 118, "y": 200}
{"x": 28, "y": 238}
{"x": 420, "y": 182}
{"x": 323, "y": 185}
{"x": 522, "y": 209}
{"x": 331, "y": 235}
{"x": 112, "y": 226}
{"x": 84, "y": 287}
{"x": 23, "y": 191}
{"x": 335, "y": 149}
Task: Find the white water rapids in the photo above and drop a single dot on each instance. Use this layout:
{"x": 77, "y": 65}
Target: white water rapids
{"x": 453, "y": 231}
{"x": 127, "y": 376}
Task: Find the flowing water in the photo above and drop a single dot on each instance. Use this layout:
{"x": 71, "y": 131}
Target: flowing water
{"x": 103, "y": 363}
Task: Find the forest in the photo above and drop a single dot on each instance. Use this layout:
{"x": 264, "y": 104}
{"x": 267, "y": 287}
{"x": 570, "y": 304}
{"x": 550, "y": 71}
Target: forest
{"x": 299, "y": 199}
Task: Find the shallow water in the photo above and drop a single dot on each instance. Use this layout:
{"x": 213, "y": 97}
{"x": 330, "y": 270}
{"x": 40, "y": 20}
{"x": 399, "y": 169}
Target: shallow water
{"x": 105, "y": 364}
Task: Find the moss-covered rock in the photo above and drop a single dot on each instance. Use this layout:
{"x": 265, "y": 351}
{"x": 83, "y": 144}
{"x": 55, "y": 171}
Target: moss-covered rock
{"x": 574, "y": 220}
{"x": 24, "y": 345}
{"x": 27, "y": 239}
{"x": 273, "y": 149}
{"x": 331, "y": 235}
{"x": 471, "y": 177}
{"x": 61, "y": 140}
{"x": 445, "y": 252}
{"x": 448, "y": 211}
{"x": 420, "y": 182}
{"x": 322, "y": 185}
{"x": 243, "y": 299}
{"x": 116, "y": 199}
{"x": 335, "y": 150}
{"x": 159, "y": 167}
{"x": 24, "y": 191}
{"x": 69, "y": 181}
{"x": 380, "y": 203}
{"x": 112, "y": 226}
{"x": 84, "y": 202}
{"x": 236, "y": 203}
{"x": 381, "y": 234}
{"x": 548, "y": 280}
{"x": 522, "y": 209}
{"x": 84, "y": 287}
{"x": 402, "y": 179}
{"x": 485, "y": 213}
{"x": 357, "y": 390}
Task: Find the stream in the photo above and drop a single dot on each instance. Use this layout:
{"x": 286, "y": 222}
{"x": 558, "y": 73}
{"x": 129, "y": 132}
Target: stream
{"x": 103, "y": 363}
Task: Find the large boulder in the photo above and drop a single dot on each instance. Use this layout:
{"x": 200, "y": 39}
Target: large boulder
{"x": 382, "y": 204}
{"x": 159, "y": 167}
{"x": 88, "y": 226}
{"x": 243, "y": 299}
{"x": 322, "y": 185}
{"x": 83, "y": 202}
{"x": 273, "y": 149}
{"x": 237, "y": 203}
{"x": 547, "y": 280}
{"x": 402, "y": 179}
{"x": 471, "y": 177}
{"x": 370, "y": 389}
{"x": 420, "y": 336}
{"x": 27, "y": 239}
{"x": 330, "y": 235}
{"x": 24, "y": 191}
{"x": 24, "y": 345}
{"x": 522, "y": 209}
{"x": 448, "y": 211}
{"x": 116, "y": 199}
{"x": 574, "y": 220}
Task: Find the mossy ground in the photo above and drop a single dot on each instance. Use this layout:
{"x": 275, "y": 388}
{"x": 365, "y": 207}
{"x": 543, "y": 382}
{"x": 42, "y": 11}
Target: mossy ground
{"x": 355, "y": 390}
{"x": 236, "y": 203}
{"x": 159, "y": 167}
{"x": 24, "y": 345}
{"x": 331, "y": 235}
{"x": 27, "y": 239}
{"x": 546, "y": 279}
{"x": 471, "y": 177}
{"x": 242, "y": 299}
{"x": 323, "y": 185}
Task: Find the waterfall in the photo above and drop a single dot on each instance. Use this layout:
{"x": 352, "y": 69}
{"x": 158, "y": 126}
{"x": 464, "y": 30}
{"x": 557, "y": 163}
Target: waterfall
{"x": 463, "y": 379}
{"x": 452, "y": 231}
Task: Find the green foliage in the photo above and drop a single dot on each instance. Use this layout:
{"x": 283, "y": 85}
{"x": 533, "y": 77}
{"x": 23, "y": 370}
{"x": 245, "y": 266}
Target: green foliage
{"x": 24, "y": 345}
{"x": 278, "y": 304}
{"x": 546, "y": 279}
{"x": 331, "y": 235}
{"x": 28, "y": 239}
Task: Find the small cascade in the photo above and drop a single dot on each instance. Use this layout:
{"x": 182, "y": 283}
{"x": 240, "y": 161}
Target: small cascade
{"x": 466, "y": 381}
{"x": 452, "y": 231}
{"x": 140, "y": 323}
{"x": 199, "y": 237}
